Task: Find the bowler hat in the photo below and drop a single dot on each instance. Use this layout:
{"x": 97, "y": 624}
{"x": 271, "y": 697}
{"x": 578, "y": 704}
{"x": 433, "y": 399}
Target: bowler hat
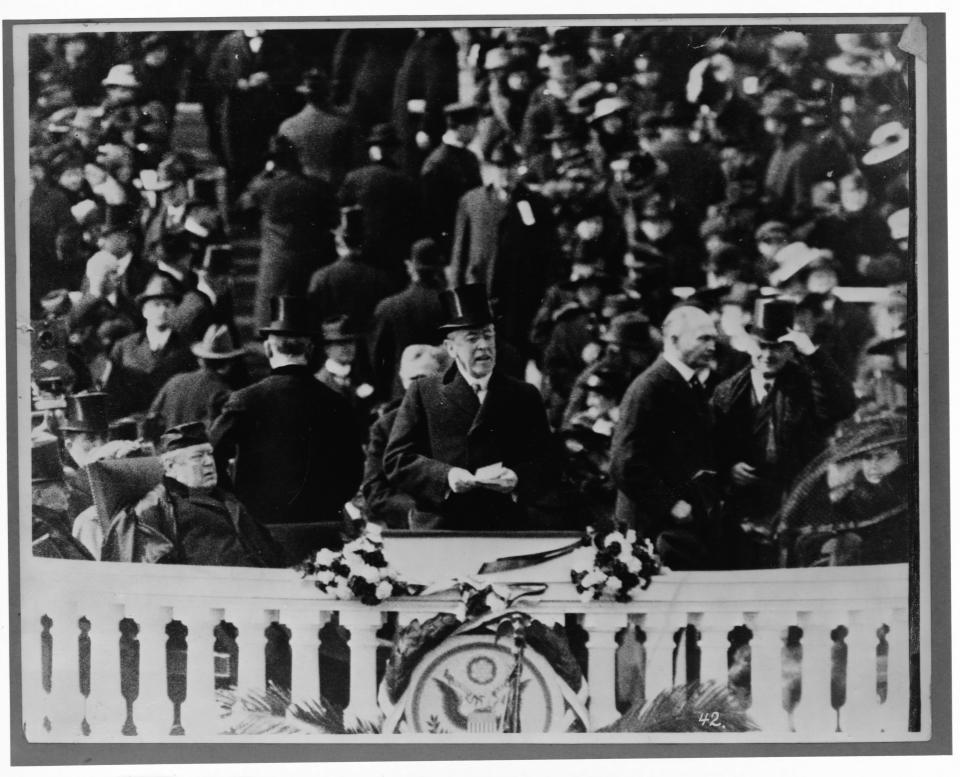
{"x": 183, "y": 436}
{"x": 781, "y": 104}
{"x": 773, "y": 318}
{"x": 339, "y": 330}
{"x": 45, "y": 460}
{"x": 383, "y": 135}
{"x": 629, "y": 330}
{"x": 121, "y": 75}
{"x": 465, "y": 307}
{"x": 160, "y": 286}
{"x": 87, "y": 412}
{"x": 291, "y": 315}
{"x": 461, "y": 113}
{"x": 426, "y": 253}
{"x": 217, "y": 345}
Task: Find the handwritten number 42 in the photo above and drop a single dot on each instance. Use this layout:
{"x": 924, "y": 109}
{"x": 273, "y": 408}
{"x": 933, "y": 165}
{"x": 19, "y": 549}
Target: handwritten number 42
{"x": 711, "y": 719}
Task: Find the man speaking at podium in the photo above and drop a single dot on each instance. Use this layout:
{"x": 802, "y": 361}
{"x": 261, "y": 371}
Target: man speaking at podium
{"x": 472, "y": 446}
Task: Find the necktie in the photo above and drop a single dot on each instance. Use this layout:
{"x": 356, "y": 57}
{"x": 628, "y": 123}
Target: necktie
{"x": 699, "y": 391}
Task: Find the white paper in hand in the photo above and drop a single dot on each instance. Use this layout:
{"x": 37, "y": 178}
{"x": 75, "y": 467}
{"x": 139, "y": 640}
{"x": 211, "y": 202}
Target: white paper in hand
{"x": 489, "y": 473}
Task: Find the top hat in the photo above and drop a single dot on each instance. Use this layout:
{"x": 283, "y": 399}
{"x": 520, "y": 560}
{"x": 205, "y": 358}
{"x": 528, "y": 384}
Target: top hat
{"x": 426, "y": 253}
{"x": 465, "y": 307}
{"x": 45, "y": 460}
{"x": 461, "y": 113}
{"x": 773, "y": 318}
{"x": 339, "y": 330}
{"x": 781, "y": 104}
{"x": 121, "y": 75}
{"x": 87, "y": 412}
{"x": 218, "y": 259}
{"x": 291, "y": 315}
{"x": 217, "y": 345}
{"x": 183, "y": 436}
{"x": 160, "y": 286}
{"x": 382, "y": 135}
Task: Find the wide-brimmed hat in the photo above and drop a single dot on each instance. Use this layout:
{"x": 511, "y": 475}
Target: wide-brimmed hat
{"x": 781, "y": 104}
{"x": 183, "y": 436}
{"x": 121, "y": 75}
{"x": 861, "y": 64}
{"x": 858, "y": 438}
{"x": 793, "y": 258}
{"x": 160, "y": 286}
{"x": 46, "y": 465}
{"x": 87, "y": 412}
{"x": 383, "y": 135}
{"x": 217, "y": 345}
{"x": 607, "y": 106}
{"x": 887, "y": 141}
{"x": 465, "y": 307}
{"x": 291, "y": 315}
{"x": 772, "y": 319}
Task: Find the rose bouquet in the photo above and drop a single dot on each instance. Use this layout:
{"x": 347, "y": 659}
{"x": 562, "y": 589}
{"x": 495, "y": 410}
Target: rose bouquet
{"x": 359, "y": 571}
{"x": 615, "y": 564}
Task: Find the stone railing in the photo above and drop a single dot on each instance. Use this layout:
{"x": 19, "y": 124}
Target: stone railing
{"x": 95, "y": 660}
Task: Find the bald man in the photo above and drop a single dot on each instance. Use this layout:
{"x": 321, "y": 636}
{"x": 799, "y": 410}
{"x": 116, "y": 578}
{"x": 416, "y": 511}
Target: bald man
{"x": 662, "y": 454}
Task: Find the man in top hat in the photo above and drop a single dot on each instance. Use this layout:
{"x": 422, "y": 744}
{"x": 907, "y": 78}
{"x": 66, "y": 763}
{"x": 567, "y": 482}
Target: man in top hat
{"x": 142, "y": 362}
{"x": 297, "y": 449}
{"x": 187, "y": 518}
{"x": 210, "y": 301}
{"x": 772, "y": 418}
{"x": 85, "y": 429}
{"x": 472, "y": 447}
{"x": 663, "y": 446}
{"x": 201, "y": 394}
{"x": 506, "y": 238}
{"x": 449, "y": 172}
{"x": 51, "y": 532}
{"x": 411, "y": 316}
{"x": 351, "y": 286}
{"x": 324, "y": 140}
{"x": 390, "y": 201}
{"x": 343, "y": 369}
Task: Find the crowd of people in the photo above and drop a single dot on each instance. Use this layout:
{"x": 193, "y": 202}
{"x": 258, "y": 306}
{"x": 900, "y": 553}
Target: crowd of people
{"x": 506, "y": 279}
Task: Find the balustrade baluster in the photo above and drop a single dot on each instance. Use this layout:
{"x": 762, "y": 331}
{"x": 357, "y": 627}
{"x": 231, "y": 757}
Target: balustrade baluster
{"x": 659, "y": 628}
{"x": 766, "y": 672}
{"x": 199, "y": 713}
{"x": 251, "y": 645}
{"x": 106, "y": 708}
{"x": 862, "y": 713}
{"x": 897, "y": 712}
{"x": 153, "y": 710}
{"x": 814, "y": 714}
{"x": 601, "y": 668}
{"x": 66, "y": 710}
{"x": 714, "y": 627}
{"x": 32, "y": 667}
{"x": 304, "y": 625}
{"x": 363, "y": 626}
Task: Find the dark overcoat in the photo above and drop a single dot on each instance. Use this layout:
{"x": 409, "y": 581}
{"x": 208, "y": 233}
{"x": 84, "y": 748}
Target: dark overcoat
{"x": 447, "y": 174}
{"x": 327, "y": 144}
{"x": 349, "y": 287}
{"x": 384, "y": 503}
{"x": 662, "y": 440}
{"x": 441, "y": 425}
{"x": 137, "y": 373}
{"x": 192, "y": 396}
{"x": 297, "y": 447}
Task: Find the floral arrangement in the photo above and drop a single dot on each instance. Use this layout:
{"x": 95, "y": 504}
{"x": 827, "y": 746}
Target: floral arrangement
{"x": 613, "y": 564}
{"x": 359, "y": 571}
{"x": 479, "y": 599}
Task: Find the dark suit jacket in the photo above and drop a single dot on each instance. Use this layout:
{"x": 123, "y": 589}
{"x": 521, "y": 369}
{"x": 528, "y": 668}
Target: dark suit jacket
{"x": 138, "y": 373}
{"x": 297, "y": 448}
{"x": 516, "y": 261}
{"x": 663, "y": 438}
{"x": 191, "y": 396}
{"x": 440, "y": 425}
{"x": 326, "y": 143}
{"x": 407, "y": 318}
{"x": 385, "y": 504}
{"x": 349, "y": 287}
{"x": 447, "y": 174}
{"x": 196, "y": 312}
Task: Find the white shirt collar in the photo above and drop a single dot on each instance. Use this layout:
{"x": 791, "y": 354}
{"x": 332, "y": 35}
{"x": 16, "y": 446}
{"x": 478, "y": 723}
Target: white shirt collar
{"x": 686, "y": 372}
{"x": 451, "y": 139}
{"x": 473, "y": 382}
{"x": 156, "y": 339}
{"x": 760, "y": 389}
{"x": 112, "y": 298}
{"x": 204, "y": 288}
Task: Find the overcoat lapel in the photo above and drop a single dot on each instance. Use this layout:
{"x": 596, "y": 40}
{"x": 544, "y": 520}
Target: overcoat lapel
{"x": 458, "y": 393}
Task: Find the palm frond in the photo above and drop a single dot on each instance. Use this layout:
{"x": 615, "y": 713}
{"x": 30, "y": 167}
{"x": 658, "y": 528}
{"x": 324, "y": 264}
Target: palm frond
{"x": 697, "y": 707}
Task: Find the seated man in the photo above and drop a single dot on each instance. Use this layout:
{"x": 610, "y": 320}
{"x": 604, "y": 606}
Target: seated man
{"x": 187, "y": 519}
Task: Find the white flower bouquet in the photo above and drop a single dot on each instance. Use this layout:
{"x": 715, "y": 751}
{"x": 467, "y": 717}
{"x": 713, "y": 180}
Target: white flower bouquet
{"x": 614, "y": 565}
